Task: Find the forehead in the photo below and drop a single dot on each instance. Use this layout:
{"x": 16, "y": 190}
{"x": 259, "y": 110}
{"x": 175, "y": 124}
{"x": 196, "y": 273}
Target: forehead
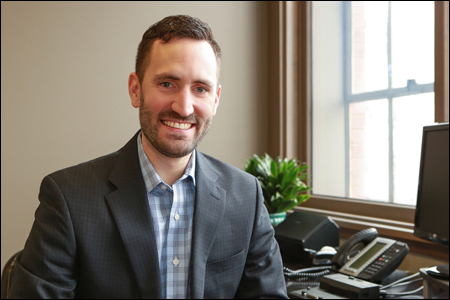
{"x": 183, "y": 56}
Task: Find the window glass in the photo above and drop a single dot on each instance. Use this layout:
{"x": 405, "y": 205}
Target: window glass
{"x": 412, "y": 42}
{"x": 368, "y": 46}
{"x": 369, "y": 150}
{"x": 411, "y": 113}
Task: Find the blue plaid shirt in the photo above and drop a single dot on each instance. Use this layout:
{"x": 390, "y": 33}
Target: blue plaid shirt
{"x": 172, "y": 213}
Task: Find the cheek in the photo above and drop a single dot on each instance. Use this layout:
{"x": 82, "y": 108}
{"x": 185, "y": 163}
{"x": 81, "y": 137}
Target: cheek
{"x": 155, "y": 104}
{"x": 205, "y": 110}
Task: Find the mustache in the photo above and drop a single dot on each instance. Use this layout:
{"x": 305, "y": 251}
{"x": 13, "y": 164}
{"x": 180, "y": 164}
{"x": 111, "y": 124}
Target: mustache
{"x": 170, "y": 114}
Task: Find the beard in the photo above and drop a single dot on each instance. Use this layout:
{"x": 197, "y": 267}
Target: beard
{"x": 173, "y": 145}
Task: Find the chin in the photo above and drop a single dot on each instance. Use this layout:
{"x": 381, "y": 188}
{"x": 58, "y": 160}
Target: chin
{"x": 175, "y": 148}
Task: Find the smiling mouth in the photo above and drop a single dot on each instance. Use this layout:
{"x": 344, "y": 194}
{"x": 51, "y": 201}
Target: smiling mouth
{"x": 183, "y": 126}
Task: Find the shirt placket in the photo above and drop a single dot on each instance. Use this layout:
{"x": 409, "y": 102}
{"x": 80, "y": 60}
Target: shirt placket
{"x": 175, "y": 255}
{"x": 163, "y": 202}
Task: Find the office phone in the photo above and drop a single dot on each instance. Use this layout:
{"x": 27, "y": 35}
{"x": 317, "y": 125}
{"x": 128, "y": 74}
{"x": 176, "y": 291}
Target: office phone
{"x": 378, "y": 258}
{"x": 365, "y": 256}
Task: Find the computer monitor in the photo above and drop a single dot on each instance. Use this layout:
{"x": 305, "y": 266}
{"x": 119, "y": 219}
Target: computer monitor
{"x": 431, "y": 219}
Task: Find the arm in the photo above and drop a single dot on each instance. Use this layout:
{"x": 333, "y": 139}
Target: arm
{"x": 46, "y": 267}
{"x": 263, "y": 273}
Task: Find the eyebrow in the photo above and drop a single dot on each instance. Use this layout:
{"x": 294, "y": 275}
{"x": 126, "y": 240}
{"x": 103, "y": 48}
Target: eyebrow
{"x": 166, "y": 76}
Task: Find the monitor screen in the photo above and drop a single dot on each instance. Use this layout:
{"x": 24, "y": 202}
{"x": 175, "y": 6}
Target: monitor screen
{"x": 431, "y": 219}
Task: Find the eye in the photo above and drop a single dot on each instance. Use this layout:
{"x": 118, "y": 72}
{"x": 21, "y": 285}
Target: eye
{"x": 166, "y": 84}
{"x": 201, "y": 90}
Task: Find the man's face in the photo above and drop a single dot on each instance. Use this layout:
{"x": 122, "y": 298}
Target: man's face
{"x": 178, "y": 96}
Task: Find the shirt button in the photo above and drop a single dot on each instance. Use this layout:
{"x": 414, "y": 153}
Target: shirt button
{"x": 163, "y": 187}
{"x": 176, "y": 217}
{"x": 176, "y": 261}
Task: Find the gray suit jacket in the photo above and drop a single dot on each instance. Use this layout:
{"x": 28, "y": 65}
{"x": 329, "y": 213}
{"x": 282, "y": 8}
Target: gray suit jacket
{"x": 93, "y": 235}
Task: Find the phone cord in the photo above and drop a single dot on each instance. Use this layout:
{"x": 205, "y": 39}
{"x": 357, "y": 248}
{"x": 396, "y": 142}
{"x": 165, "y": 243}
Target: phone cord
{"x": 308, "y": 272}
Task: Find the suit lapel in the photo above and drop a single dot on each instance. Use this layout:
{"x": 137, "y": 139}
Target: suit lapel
{"x": 208, "y": 213}
{"x": 130, "y": 209}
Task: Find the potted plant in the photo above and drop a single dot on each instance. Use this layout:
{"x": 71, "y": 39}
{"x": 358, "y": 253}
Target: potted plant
{"x": 281, "y": 183}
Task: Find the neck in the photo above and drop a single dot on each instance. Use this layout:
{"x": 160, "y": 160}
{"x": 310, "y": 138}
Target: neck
{"x": 168, "y": 168}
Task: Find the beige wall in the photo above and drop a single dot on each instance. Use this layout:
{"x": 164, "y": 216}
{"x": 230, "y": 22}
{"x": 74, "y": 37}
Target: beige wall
{"x": 64, "y": 99}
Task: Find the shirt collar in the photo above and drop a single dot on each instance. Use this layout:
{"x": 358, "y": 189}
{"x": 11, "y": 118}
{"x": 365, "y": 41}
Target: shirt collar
{"x": 151, "y": 178}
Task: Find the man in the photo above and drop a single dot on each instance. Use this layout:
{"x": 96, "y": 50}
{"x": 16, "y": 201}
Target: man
{"x": 156, "y": 219}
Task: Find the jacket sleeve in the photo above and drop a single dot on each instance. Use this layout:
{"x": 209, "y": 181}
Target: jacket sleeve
{"x": 263, "y": 273}
{"x": 46, "y": 267}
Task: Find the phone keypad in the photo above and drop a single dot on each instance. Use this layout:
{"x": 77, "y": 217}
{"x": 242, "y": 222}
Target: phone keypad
{"x": 382, "y": 260}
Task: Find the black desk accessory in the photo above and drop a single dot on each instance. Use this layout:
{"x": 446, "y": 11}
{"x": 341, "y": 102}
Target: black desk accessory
{"x": 440, "y": 272}
{"x": 302, "y": 234}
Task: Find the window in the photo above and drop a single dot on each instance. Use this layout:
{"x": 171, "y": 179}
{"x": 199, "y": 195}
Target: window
{"x": 375, "y": 82}
{"x": 294, "y": 126}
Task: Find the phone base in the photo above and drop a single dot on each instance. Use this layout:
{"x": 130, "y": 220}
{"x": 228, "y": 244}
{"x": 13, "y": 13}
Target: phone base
{"x": 349, "y": 286}
{"x": 313, "y": 293}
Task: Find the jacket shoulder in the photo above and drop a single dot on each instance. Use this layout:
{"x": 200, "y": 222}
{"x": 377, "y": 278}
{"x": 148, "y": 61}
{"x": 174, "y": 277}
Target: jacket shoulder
{"x": 228, "y": 172}
{"x": 101, "y": 167}
{"x": 90, "y": 169}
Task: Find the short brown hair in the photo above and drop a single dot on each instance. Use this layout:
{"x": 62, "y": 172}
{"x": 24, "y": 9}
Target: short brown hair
{"x": 180, "y": 26}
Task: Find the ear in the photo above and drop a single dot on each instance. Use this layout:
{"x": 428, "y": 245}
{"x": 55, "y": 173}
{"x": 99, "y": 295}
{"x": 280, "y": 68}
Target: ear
{"x": 134, "y": 89}
{"x": 216, "y": 100}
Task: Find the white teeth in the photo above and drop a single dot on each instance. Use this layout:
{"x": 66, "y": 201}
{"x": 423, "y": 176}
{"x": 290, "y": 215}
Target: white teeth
{"x": 178, "y": 125}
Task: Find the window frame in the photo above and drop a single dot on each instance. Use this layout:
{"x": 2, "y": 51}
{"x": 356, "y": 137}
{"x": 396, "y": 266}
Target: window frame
{"x": 290, "y": 130}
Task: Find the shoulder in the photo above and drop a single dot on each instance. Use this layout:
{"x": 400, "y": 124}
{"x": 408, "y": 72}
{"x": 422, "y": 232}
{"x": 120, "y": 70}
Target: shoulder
{"x": 87, "y": 171}
{"x": 226, "y": 173}
{"x": 100, "y": 168}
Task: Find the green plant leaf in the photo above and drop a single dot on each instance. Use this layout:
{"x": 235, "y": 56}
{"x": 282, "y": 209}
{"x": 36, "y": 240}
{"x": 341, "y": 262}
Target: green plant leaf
{"x": 281, "y": 181}
{"x": 302, "y": 198}
{"x": 275, "y": 201}
{"x": 289, "y": 177}
{"x": 273, "y": 169}
{"x": 287, "y": 205}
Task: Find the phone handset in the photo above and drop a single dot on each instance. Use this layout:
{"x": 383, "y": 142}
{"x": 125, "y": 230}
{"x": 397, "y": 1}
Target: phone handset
{"x": 352, "y": 247}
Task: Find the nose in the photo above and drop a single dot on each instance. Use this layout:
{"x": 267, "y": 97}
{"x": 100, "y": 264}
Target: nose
{"x": 183, "y": 104}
